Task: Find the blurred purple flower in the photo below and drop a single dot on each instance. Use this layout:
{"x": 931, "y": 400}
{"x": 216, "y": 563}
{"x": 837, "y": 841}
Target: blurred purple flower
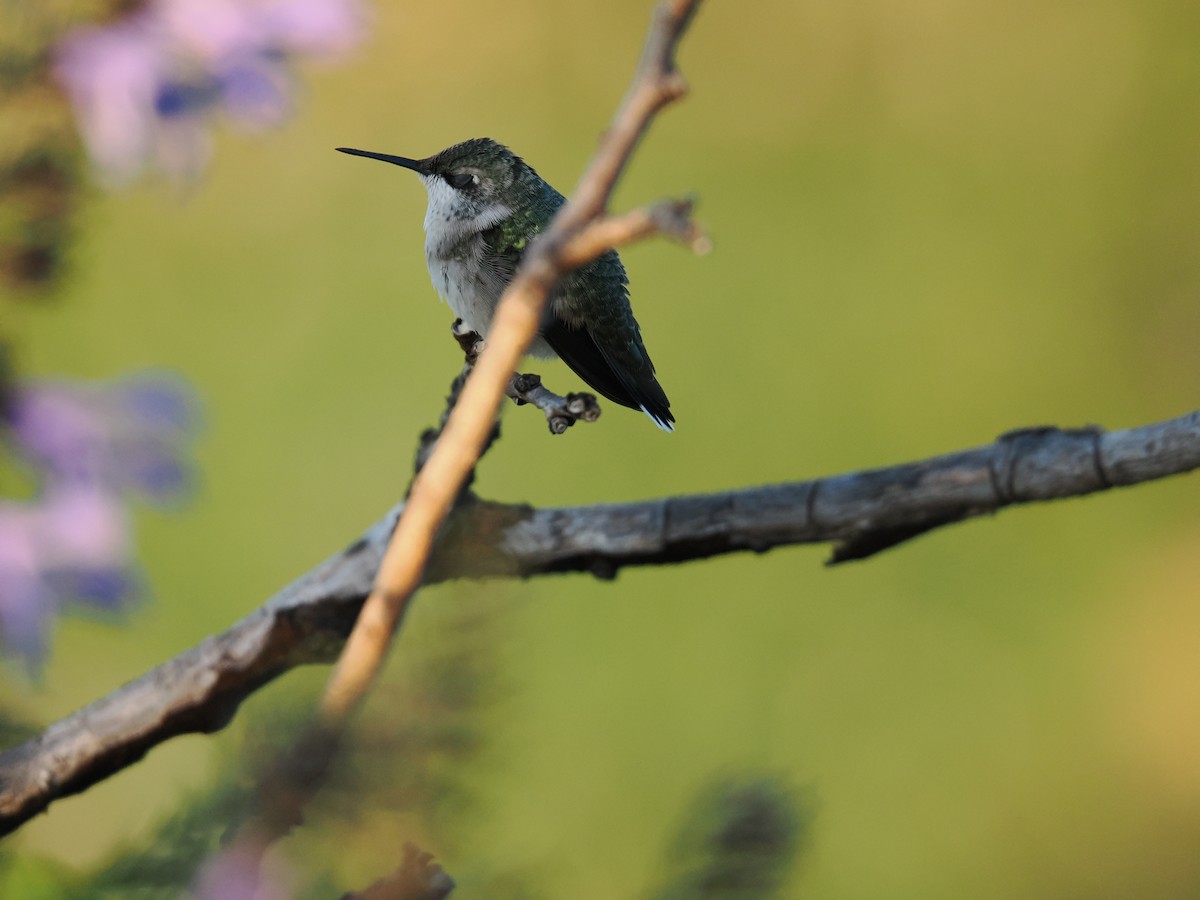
{"x": 143, "y": 86}
{"x": 255, "y": 92}
{"x": 24, "y": 601}
{"x": 126, "y": 437}
{"x": 90, "y": 446}
{"x": 112, "y": 74}
{"x": 239, "y": 872}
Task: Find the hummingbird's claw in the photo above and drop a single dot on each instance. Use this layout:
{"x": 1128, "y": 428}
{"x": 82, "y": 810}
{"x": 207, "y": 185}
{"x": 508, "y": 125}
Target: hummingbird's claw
{"x": 470, "y": 342}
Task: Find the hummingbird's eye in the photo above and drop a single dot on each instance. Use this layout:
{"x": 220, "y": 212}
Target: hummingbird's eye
{"x": 462, "y": 180}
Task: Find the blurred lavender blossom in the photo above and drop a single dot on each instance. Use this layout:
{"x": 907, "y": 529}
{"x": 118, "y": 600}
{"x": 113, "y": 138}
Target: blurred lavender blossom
{"x": 238, "y": 872}
{"x": 90, "y": 448}
{"x": 144, "y": 87}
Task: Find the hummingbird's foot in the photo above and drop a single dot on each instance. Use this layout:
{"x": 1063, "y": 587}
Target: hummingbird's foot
{"x": 561, "y": 412}
{"x": 470, "y": 341}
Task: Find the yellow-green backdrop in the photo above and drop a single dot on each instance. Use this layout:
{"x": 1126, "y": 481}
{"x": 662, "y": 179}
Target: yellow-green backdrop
{"x": 934, "y": 220}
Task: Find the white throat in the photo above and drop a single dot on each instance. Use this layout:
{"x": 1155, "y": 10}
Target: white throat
{"x": 456, "y": 254}
{"x": 451, "y": 216}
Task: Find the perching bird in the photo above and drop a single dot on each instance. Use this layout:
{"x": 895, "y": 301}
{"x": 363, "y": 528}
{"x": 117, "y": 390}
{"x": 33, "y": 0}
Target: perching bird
{"x": 485, "y": 205}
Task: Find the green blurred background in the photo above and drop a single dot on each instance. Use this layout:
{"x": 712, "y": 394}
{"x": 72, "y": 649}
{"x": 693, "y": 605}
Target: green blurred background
{"x": 935, "y": 220}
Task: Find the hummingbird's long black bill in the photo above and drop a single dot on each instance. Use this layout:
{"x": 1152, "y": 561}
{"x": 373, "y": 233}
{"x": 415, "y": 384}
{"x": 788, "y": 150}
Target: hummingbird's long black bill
{"x": 417, "y": 165}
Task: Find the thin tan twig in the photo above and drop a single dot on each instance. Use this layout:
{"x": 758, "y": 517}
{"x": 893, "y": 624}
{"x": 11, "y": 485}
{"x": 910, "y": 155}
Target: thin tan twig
{"x": 655, "y": 84}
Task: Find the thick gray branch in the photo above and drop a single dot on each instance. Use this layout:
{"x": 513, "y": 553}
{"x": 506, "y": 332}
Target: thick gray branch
{"x": 861, "y": 513}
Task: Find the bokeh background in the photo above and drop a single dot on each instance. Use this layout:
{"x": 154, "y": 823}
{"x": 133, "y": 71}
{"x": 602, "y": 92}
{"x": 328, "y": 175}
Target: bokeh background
{"x": 934, "y": 221}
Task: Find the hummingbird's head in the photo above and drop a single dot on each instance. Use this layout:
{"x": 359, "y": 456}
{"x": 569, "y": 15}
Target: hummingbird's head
{"x": 470, "y": 185}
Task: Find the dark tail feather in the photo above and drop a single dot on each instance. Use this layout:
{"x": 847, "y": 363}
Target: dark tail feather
{"x": 579, "y": 351}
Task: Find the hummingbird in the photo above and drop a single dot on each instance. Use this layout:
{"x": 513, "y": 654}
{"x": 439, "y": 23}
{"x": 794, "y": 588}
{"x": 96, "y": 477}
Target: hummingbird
{"x": 485, "y": 205}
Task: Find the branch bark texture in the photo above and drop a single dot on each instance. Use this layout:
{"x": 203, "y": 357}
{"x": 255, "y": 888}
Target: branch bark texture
{"x": 860, "y": 513}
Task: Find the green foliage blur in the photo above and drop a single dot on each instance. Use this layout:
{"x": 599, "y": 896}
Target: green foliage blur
{"x": 934, "y": 221}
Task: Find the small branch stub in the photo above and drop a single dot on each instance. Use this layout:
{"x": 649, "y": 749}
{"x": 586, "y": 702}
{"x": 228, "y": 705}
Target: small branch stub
{"x": 561, "y": 412}
{"x": 527, "y": 389}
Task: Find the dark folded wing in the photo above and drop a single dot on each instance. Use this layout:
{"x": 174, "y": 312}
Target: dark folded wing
{"x": 637, "y": 391}
{"x": 595, "y": 293}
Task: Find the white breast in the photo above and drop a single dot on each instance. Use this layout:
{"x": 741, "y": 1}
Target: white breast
{"x": 466, "y": 284}
{"x": 454, "y": 254}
